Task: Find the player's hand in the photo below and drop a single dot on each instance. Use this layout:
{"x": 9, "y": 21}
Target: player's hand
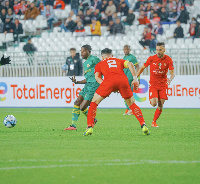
{"x": 73, "y": 79}
{"x": 5, "y": 61}
{"x": 135, "y": 84}
{"x": 168, "y": 81}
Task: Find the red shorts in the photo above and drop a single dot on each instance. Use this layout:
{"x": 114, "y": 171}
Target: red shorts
{"x": 158, "y": 92}
{"x": 119, "y": 83}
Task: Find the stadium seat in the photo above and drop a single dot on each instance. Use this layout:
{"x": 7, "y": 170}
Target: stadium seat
{"x": 9, "y": 37}
{"x": 56, "y": 29}
{"x": 87, "y": 30}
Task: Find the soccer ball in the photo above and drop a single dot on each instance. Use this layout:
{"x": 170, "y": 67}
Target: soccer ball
{"x": 10, "y": 121}
{"x": 64, "y": 67}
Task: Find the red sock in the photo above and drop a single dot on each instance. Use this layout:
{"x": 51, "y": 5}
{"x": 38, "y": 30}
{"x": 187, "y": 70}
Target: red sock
{"x": 138, "y": 113}
{"x": 91, "y": 113}
{"x": 157, "y": 114}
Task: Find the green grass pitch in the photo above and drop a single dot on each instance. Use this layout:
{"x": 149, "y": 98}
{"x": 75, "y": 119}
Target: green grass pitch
{"x": 38, "y": 150}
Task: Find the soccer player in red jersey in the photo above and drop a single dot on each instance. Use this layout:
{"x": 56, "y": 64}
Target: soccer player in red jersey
{"x": 158, "y": 84}
{"x": 114, "y": 80}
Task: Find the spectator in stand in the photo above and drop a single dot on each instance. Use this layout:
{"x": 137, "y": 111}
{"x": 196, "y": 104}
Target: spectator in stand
{"x": 173, "y": 17}
{"x": 143, "y": 20}
{"x": 104, "y": 6}
{"x": 74, "y": 63}
{"x": 96, "y": 4}
{"x": 198, "y": 32}
{"x": 69, "y": 25}
{"x": 80, "y": 30}
{"x": 148, "y": 8}
{"x": 23, "y": 8}
{"x": 164, "y": 16}
{"x": 11, "y": 2}
{"x": 8, "y": 26}
{"x": 49, "y": 15}
{"x": 124, "y": 9}
{"x": 97, "y": 14}
{"x": 84, "y": 4}
{"x": 152, "y": 45}
{"x": 32, "y": 12}
{"x": 49, "y": 2}
{"x": 28, "y": 3}
{"x": 169, "y": 6}
{"x": 193, "y": 29}
{"x": 137, "y": 6}
{"x": 189, "y": 2}
{"x": 3, "y": 15}
{"x": 114, "y": 17}
{"x": 10, "y": 15}
{"x": 155, "y": 19}
{"x": 41, "y": 7}
{"x": 95, "y": 27}
{"x": 29, "y": 48}
{"x": 1, "y": 26}
{"x": 178, "y": 32}
{"x": 17, "y": 29}
{"x": 145, "y": 41}
{"x": 150, "y": 14}
{"x": 111, "y": 27}
{"x": 184, "y": 16}
{"x": 104, "y": 19}
{"x": 74, "y": 6}
{"x": 81, "y": 15}
{"x": 72, "y": 15}
{"x": 16, "y": 7}
{"x": 87, "y": 20}
{"x": 130, "y": 18}
{"x": 7, "y": 5}
{"x": 111, "y": 8}
{"x": 159, "y": 29}
{"x": 142, "y": 7}
{"x": 119, "y": 27}
{"x": 59, "y": 5}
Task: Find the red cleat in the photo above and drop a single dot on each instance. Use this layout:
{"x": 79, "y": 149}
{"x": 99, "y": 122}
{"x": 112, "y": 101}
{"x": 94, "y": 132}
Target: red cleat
{"x": 154, "y": 124}
{"x": 71, "y": 127}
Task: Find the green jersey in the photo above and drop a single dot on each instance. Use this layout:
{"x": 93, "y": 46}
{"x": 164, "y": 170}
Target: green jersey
{"x": 89, "y": 66}
{"x": 131, "y": 58}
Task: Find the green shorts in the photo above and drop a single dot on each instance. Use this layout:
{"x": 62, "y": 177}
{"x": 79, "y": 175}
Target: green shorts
{"x": 88, "y": 91}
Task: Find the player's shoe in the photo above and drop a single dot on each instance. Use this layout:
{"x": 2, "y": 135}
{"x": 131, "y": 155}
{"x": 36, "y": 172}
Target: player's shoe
{"x": 88, "y": 131}
{"x": 126, "y": 112}
{"x": 71, "y": 127}
{"x": 154, "y": 124}
{"x": 145, "y": 130}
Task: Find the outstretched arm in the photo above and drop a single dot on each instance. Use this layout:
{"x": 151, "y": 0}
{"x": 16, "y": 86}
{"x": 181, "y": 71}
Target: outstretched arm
{"x": 140, "y": 70}
{"x": 77, "y": 82}
{"x": 169, "y": 80}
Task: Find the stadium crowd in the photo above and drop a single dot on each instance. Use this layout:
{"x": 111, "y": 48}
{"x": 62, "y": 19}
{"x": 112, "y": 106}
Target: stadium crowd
{"x": 114, "y": 14}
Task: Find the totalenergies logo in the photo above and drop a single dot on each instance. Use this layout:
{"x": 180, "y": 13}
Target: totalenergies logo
{"x": 141, "y": 90}
{"x": 3, "y": 90}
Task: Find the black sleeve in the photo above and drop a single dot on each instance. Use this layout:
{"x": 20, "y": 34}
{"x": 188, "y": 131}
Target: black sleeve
{"x": 33, "y": 48}
{"x": 80, "y": 67}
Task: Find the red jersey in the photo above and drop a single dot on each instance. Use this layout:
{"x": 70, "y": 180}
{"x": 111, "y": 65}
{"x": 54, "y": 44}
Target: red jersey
{"x": 158, "y": 69}
{"x": 111, "y": 66}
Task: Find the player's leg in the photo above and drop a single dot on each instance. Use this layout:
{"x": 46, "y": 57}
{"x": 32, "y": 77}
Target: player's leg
{"x": 75, "y": 112}
{"x": 92, "y": 113}
{"x": 162, "y": 96}
{"x": 127, "y": 94}
{"x": 128, "y": 111}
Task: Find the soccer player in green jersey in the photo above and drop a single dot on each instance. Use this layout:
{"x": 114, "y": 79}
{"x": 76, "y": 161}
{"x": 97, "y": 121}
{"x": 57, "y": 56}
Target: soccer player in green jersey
{"x": 87, "y": 93}
{"x": 5, "y": 61}
{"x": 131, "y": 58}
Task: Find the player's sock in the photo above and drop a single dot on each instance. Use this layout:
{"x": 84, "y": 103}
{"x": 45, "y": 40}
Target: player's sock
{"x": 138, "y": 113}
{"x": 75, "y": 114}
{"x": 91, "y": 113}
{"x": 85, "y": 112}
{"x": 157, "y": 114}
{"x": 127, "y": 107}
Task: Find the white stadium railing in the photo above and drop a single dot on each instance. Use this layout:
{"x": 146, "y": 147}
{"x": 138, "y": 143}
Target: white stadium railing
{"x": 48, "y": 64}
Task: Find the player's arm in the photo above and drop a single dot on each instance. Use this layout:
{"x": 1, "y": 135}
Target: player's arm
{"x": 73, "y": 79}
{"x": 98, "y": 77}
{"x": 131, "y": 67}
{"x": 169, "y": 80}
{"x": 140, "y": 70}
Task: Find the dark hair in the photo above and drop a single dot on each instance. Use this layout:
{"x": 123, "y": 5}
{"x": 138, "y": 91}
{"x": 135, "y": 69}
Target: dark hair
{"x": 128, "y": 46}
{"x": 160, "y": 44}
{"x": 88, "y": 47}
{"x": 106, "y": 51}
{"x": 72, "y": 49}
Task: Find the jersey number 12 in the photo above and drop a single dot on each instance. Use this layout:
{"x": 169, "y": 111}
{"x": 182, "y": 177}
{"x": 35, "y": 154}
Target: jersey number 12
{"x": 112, "y": 64}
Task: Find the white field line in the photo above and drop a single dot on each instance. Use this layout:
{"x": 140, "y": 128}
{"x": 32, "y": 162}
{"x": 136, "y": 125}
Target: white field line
{"x": 118, "y": 163}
